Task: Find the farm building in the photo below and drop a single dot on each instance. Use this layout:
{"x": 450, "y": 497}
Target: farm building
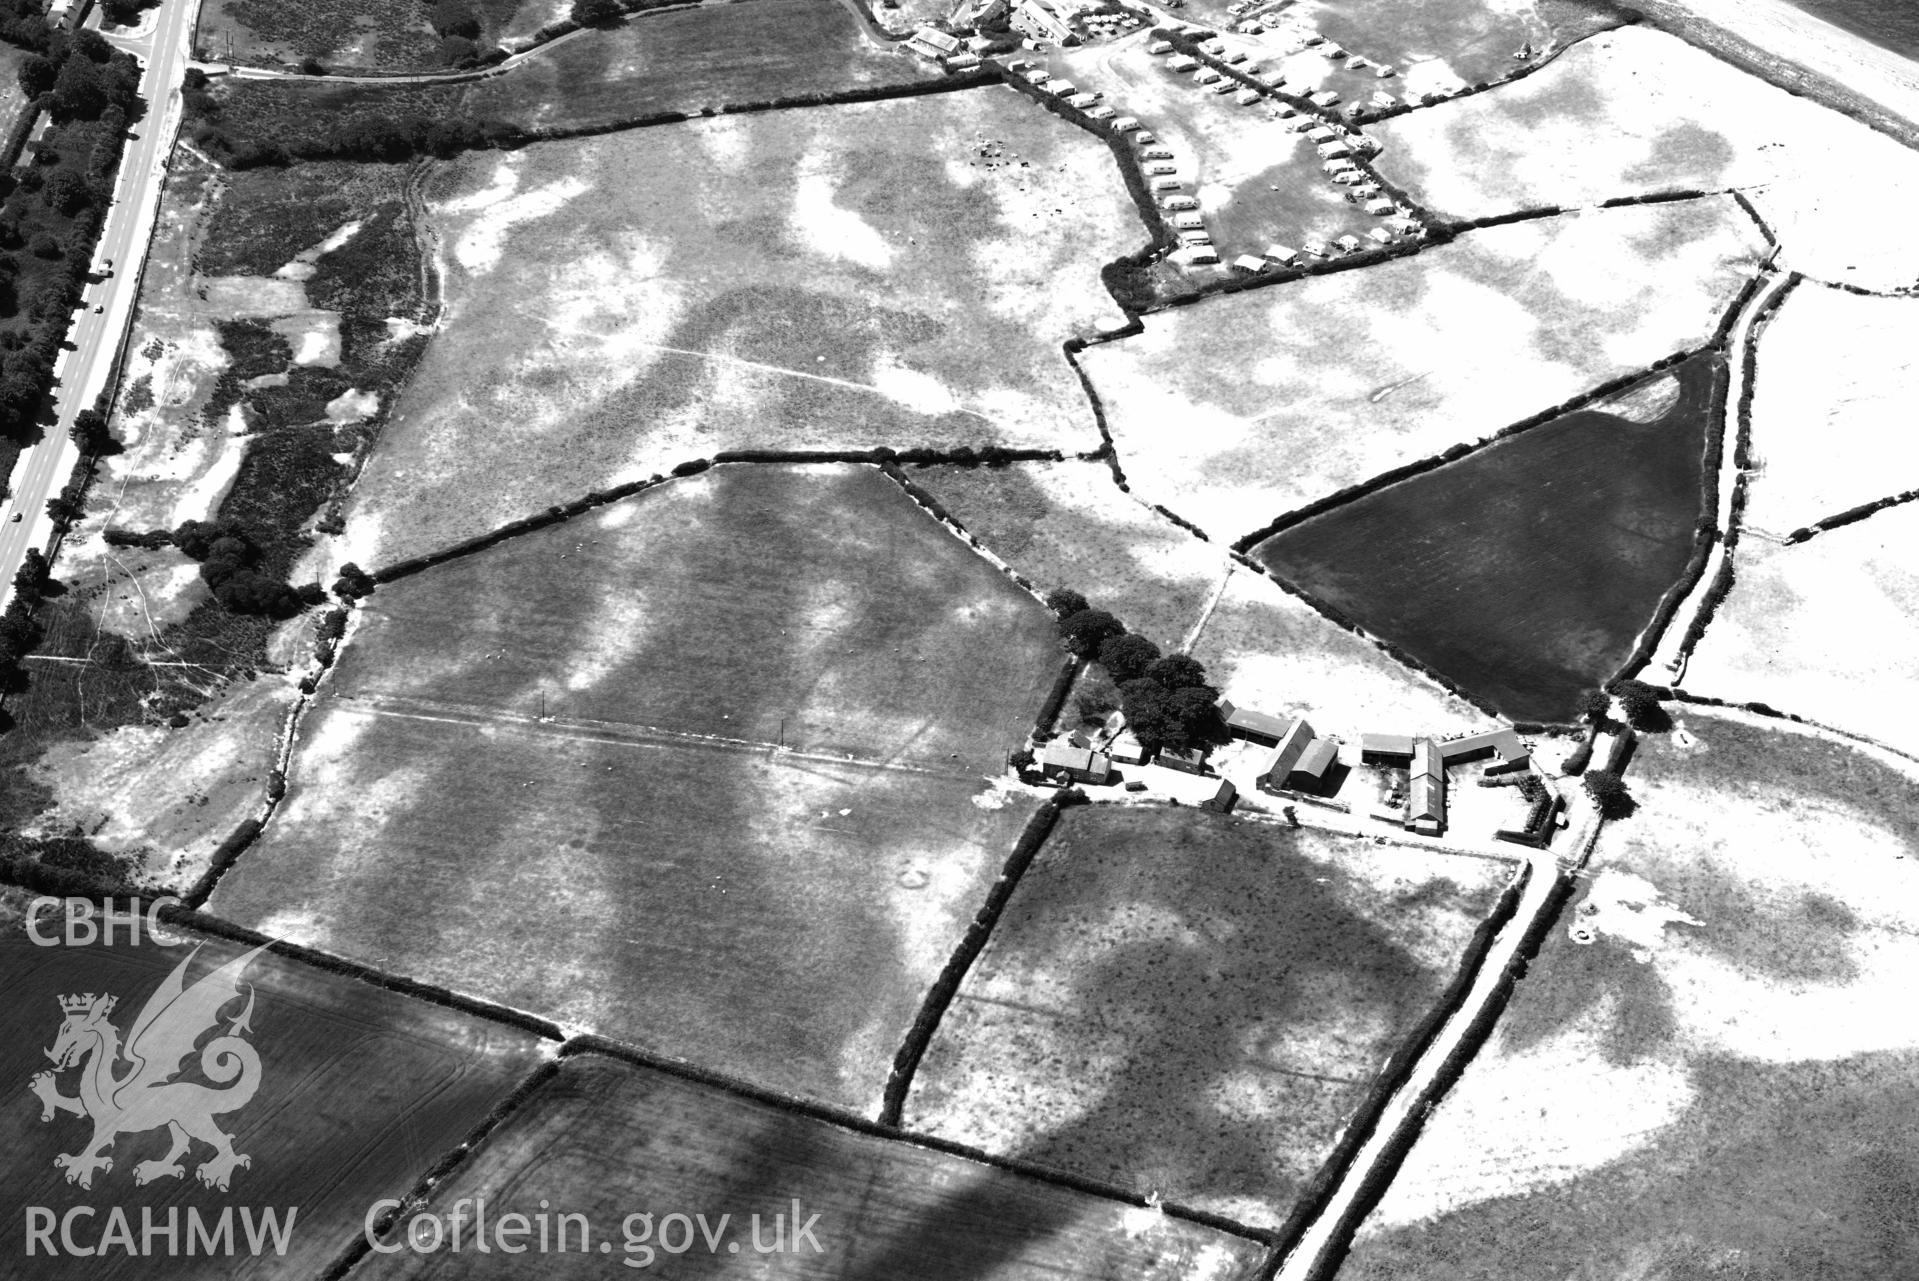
{"x": 1244, "y": 722}
{"x": 1036, "y": 20}
{"x": 1125, "y": 749}
{"x": 1224, "y": 797}
{"x": 933, "y": 45}
{"x": 1182, "y": 62}
{"x": 1426, "y": 799}
{"x": 1302, "y": 761}
{"x": 1503, "y": 743}
{"x": 1385, "y": 748}
{"x": 1282, "y": 255}
{"x": 1191, "y": 760}
{"x": 1066, "y": 763}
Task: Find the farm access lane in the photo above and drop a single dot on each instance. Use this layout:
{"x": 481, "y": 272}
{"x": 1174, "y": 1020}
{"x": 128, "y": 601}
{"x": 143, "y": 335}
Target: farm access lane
{"x": 94, "y": 337}
{"x": 1667, "y": 663}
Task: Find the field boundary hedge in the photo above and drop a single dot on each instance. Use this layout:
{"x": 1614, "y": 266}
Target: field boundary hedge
{"x": 1851, "y": 516}
{"x": 961, "y": 456}
{"x": 1394, "y": 1074}
{"x": 1374, "y": 1182}
{"x": 450, "y": 1161}
{"x": 939, "y": 996}
{"x": 1768, "y": 710}
{"x": 1453, "y": 453}
{"x": 219, "y": 927}
{"x": 857, "y": 1123}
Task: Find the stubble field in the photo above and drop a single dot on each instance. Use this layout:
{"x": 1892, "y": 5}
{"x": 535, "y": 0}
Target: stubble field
{"x": 717, "y": 756}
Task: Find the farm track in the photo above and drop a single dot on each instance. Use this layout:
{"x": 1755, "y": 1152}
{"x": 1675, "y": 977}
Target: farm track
{"x": 589, "y": 730}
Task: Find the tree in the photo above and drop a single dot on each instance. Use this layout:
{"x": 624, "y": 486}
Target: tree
{"x": 1194, "y": 717}
{"x": 66, "y": 193}
{"x": 1064, "y": 601}
{"x": 90, "y": 45}
{"x": 79, "y": 91}
{"x": 1149, "y": 712}
{"x": 36, "y": 75}
{"x": 90, "y": 432}
{"x": 1594, "y": 706}
{"x": 1640, "y": 702}
{"x": 1608, "y": 792}
{"x": 593, "y": 13}
{"x": 310, "y": 66}
{"x": 1126, "y": 658}
{"x": 32, "y": 575}
{"x": 1177, "y": 671}
{"x": 353, "y": 582}
{"x": 455, "y": 18}
{"x": 1087, "y": 630}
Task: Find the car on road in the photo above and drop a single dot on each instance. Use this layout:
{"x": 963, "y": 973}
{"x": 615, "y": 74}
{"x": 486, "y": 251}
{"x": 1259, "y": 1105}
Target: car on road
{"x": 16, "y": 518}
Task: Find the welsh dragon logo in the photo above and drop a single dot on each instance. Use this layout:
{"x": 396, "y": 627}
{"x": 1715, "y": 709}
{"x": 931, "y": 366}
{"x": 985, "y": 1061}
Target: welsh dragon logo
{"x": 130, "y": 1089}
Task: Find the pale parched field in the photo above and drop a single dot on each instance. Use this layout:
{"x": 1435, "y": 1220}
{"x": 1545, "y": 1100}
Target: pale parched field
{"x": 1256, "y": 404}
{"x": 1267, "y": 649}
{"x": 1827, "y": 629}
{"x": 842, "y": 277}
{"x": 1832, "y": 407}
{"x": 1633, "y": 111}
{"x": 1723, "y": 1081}
{"x": 1192, "y": 1006}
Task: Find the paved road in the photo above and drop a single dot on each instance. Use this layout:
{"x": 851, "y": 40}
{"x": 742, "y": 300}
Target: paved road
{"x": 163, "y": 43}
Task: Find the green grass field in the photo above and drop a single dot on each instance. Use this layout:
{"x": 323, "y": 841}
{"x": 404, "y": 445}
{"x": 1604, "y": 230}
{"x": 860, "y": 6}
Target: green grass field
{"x": 755, "y": 821}
{"x": 358, "y": 36}
{"x": 1722, "y": 1083}
{"x": 360, "y": 1092}
{"x": 1525, "y": 571}
{"x": 617, "y": 306}
{"x": 680, "y": 61}
{"x": 690, "y": 60}
{"x": 607, "y": 1140}
{"x": 1473, "y": 40}
{"x": 1194, "y": 1006}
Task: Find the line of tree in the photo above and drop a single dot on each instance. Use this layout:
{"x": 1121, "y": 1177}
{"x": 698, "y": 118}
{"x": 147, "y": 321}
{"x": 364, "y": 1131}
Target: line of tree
{"x": 1166, "y": 699}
